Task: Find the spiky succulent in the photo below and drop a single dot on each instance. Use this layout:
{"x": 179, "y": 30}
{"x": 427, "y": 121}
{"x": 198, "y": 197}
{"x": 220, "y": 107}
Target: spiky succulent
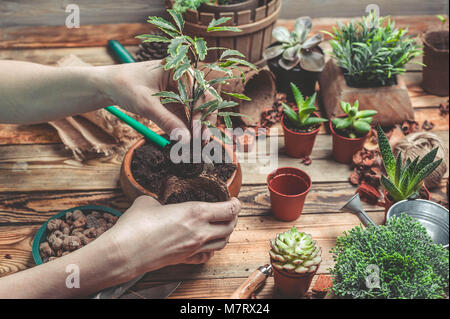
{"x": 356, "y": 121}
{"x": 296, "y": 48}
{"x": 295, "y": 252}
{"x": 302, "y": 118}
{"x": 404, "y": 181}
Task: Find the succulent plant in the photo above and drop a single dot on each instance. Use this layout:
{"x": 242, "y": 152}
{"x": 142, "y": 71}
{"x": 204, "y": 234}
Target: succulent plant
{"x": 302, "y": 118}
{"x": 356, "y": 121}
{"x": 295, "y": 47}
{"x": 295, "y": 252}
{"x": 404, "y": 181}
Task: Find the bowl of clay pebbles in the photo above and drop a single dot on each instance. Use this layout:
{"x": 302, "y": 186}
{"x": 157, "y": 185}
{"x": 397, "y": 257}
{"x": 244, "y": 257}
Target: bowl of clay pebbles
{"x": 70, "y": 230}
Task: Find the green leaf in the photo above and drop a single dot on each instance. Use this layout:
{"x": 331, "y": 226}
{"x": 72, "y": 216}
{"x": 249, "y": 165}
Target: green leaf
{"x": 174, "y": 61}
{"x": 230, "y": 29}
{"x": 395, "y": 193}
{"x": 345, "y": 107}
{"x": 313, "y": 120}
{"x": 168, "y": 94}
{"x": 398, "y": 168}
{"x": 366, "y": 113}
{"x": 228, "y": 122}
{"x": 221, "y": 80}
{"x": 423, "y": 173}
{"x": 290, "y": 113}
{"x": 229, "y": 52}
{"x": 342, "y": 123}
{"x": 361, "y": 126}
{"x": 231, "y": 114}
{"x": 297, "y": 95}
{"x": 166, "y": 100}
{"x": 201, "y": 48}
{"x": 152, "y": 38}
{"x": 180, "y": 71}
{"x": 242, "y": 62}
{"x": 215, "y": 23}
{"x": 182, "y": 91}
{"x": 238, "y": 96}
{"x": 427, "y": 159}
{"x": 304, "y": 113}
{"x": 386, "y": 153}
{"x": 163, "y": 25}
{"x": 206, "y": 105}
{"x": 178, "y": 18}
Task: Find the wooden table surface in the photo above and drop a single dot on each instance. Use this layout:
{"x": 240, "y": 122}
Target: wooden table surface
{"x": 39, "y": 178}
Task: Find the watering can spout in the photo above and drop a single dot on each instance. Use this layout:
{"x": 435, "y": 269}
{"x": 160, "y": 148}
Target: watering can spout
{"x": 354, "y": 206}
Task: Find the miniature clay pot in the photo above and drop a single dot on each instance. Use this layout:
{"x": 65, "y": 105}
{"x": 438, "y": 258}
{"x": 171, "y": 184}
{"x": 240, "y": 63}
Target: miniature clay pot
{"x": 304, "y": 80}
{"x": 288, "y": 187}
{"x": 424, "y": 194}
{"x": 133, "y": 190}
{"x": 345, "y": 147}
{"x": 435, "y": 58}
{"x": 298, "y": 144}
{"x": 292, "y": 285}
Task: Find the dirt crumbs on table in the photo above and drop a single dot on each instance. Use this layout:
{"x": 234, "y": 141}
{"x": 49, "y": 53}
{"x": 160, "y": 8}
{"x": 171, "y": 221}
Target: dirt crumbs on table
{"x": 75, "y": 230}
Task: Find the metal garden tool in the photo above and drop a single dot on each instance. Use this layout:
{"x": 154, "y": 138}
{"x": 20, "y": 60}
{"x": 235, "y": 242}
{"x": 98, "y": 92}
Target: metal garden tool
{"x": 354, "y": 206}
{"x": 252, "y": 283}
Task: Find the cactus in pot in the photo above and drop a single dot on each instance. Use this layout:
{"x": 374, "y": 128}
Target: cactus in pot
{"x": 295, "y": 257}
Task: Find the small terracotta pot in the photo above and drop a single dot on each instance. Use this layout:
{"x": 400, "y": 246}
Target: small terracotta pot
{"x": 133, "y": 190}
{"x": 388, "y": 203}
{"x": 298, "y": 145}
{"x": 345, "y": 147}
{"x": 288, "y": 187}
{"x": 292, "y": 285}
{"x": 435, "y": 58}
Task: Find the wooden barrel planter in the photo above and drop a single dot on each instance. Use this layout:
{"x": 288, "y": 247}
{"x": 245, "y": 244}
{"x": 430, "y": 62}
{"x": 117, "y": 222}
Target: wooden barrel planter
{"x": 256, "y": 25}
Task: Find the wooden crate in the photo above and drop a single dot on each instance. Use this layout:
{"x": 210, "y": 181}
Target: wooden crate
{"x": 256, "y": 26}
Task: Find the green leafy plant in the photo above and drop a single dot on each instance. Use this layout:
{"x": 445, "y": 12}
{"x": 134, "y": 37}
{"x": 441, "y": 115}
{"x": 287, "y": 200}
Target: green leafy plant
{"x": 404, "y": 181}
{"x": 295, "y": 252}
{"x": 373, "y": 51}
{"x": 441, "y": 18}
{"x": 302, "y": 118}
{"x": 185, "y": 55}
{"x": 357, "y": 123}
{"x": 400, "y": 257}
{"x": 295, "y": 48}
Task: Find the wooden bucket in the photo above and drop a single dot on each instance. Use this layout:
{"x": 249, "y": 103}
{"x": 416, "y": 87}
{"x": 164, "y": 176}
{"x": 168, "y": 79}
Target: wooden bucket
{"x": 256, "y": 25}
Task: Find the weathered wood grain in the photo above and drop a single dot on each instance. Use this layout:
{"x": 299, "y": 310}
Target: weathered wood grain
{"x": 246, "y": 251}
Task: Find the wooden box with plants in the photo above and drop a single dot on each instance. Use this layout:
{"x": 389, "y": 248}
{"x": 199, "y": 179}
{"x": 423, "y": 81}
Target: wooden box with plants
{"x": 368, "y": 59}
{"x": 148, "y": 167}
{"x": 295, "y": 58}
{"x": 254, "y": 18}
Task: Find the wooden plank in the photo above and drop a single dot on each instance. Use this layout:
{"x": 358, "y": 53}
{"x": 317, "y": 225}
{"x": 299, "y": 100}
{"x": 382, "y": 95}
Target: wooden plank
{"x": 247, "y": 249}
{"x": 37, "y": 207}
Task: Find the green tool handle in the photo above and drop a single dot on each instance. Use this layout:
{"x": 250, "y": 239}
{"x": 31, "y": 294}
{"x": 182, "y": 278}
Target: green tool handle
{"x": 125, "y": 57}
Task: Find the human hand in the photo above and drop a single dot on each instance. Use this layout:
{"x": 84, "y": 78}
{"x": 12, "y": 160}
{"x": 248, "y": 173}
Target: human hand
{"x": 132, "y": 87}
{"x": 150, "y": 236}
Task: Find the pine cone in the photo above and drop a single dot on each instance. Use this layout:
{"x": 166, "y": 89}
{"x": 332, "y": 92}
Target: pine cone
{"x": 152, "y": 51}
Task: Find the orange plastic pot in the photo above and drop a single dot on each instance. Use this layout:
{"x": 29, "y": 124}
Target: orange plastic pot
{"x": 292, "y": 285}
{"x": 288, "y": 187}
{"x": 297, "y": 144}
{"x": 345, "y": 147}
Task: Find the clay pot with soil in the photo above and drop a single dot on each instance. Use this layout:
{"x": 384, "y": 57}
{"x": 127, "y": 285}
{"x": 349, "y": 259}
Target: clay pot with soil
{"x": 148, "y": 170}
{"x": 435, "y": 57}
{"x": 288, "y": 187}
{"x": 350, "y": 131}
{"x": 295, "y": 258}
{"x": 296, "y": 59}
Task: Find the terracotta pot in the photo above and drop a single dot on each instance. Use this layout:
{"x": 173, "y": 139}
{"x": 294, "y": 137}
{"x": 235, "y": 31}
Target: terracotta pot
{"x": 298, "y": 145}
{"x": 345, "y": 147}
{"x": 133, "y": 190}
{"x": 292, "y": 285}
{"x": 304, "y": 80}
{"x": 388, "y": 203}
{"x": 435, "y": 57}
{"x": 288, "y": 187}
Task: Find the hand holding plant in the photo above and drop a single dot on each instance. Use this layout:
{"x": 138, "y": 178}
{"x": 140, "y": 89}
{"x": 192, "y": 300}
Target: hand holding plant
{"x": 404, "y": 181}
{"x": 356, "y": 123}
{"x": 302, "y": 118}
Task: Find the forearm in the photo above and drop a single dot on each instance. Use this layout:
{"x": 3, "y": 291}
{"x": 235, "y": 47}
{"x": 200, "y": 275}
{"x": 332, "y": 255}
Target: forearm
{"x": 100, "y": 266}
{"x": 34, "y": 93}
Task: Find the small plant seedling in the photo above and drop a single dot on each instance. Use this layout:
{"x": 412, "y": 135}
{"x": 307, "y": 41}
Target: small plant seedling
{"x": 302, "y": 118}
{"x": 356, "y": 122}
{"x": 404, "y": 181}
{"x": 295, "y": 47}
{"x": 441, "y": 18}
{"x": 185, "y": 55}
